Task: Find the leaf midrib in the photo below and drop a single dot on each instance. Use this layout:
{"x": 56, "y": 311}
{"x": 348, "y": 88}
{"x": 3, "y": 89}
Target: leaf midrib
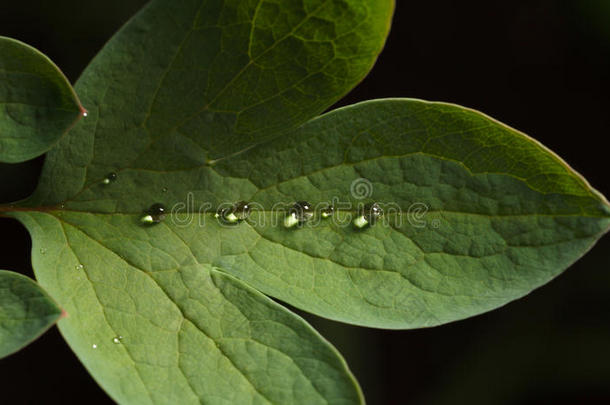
{"x": 56, "y": 212}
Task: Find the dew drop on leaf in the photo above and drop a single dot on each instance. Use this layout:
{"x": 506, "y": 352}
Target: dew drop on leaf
{"x": 300, "y": 213}
{"x": 154, "y": 214}
{"x": 43, "y": 251}
{"x": 110, "y": 177}
{"x": 238, "y": 212}
{"x": 79, "y": 267}
{"x": 94, "y": 346}
{"x": 117, "y": 339}
{"x": 241, "y": 210}
{"x": 164, "y": 189}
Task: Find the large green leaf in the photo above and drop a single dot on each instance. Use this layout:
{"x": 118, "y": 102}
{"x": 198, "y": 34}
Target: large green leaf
{"x": 503, "y": 214}
{"x": 37, "y": 103}
{"x": 26, "y": 311}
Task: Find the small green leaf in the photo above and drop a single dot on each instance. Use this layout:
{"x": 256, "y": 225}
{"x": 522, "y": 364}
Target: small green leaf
{"x": 37, "y": 103}
{"x": 26, "y": 311}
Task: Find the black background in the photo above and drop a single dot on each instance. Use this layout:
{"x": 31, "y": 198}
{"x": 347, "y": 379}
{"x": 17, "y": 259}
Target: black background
{"x": 539, "y": 66}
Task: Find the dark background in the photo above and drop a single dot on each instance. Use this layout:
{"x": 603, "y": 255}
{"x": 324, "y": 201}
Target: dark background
{"x": 539, "y": 66}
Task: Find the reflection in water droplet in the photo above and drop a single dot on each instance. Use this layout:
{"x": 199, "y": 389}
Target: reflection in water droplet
{"x": 79, "y": 267}
{"x": 85, "y": 113}
{"x": 164, "y": 189}
{"x": 154, "y": 214}
{"x": 300, "y": 213}
{"x": 94, "y": 346}
{"x": 117, "y": 339}
{"x": 43, "y": 251}
{"x": 110, "y": 177}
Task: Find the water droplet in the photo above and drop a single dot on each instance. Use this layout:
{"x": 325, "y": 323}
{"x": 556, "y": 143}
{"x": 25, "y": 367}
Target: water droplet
{"x": 154, "y": 214}
{"x": 164, "y": 189}
{"x": 238, "y": 212}
{"x": 85, "y": 113}
{"x": 110, "y": 177}
{"x": 43, "y": 251}
{"x": 328, "y": 211}
{"x": 241, "y": 210}
{"x": 226, "y": 215}
{"x": 79, "y": 267}
{"x": 300, "y": 213}
{"x": 117, "y": 339}
{"x": 94, "y": 346}
{"x": 372, "y": 212}
{"x": 369, "y": 215}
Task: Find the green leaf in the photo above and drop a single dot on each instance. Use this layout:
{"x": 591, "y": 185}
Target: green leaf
{"x": 503, "y": 214}
{"x": 37, "y": 103}
{"x": 26, "y": 311}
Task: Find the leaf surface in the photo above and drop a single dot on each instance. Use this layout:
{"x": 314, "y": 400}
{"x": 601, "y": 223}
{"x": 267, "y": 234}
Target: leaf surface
{"x": 155, "y": 326}
{"x": 476, "y": 213}
{"x": 26, "y": 311}
{"x": 501, "y": 215}
{"x": 37, "y": 103}
{"x": 178, "y": 87}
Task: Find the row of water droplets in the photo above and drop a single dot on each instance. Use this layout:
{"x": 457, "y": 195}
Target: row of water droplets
{"x": 300, "y": 212}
